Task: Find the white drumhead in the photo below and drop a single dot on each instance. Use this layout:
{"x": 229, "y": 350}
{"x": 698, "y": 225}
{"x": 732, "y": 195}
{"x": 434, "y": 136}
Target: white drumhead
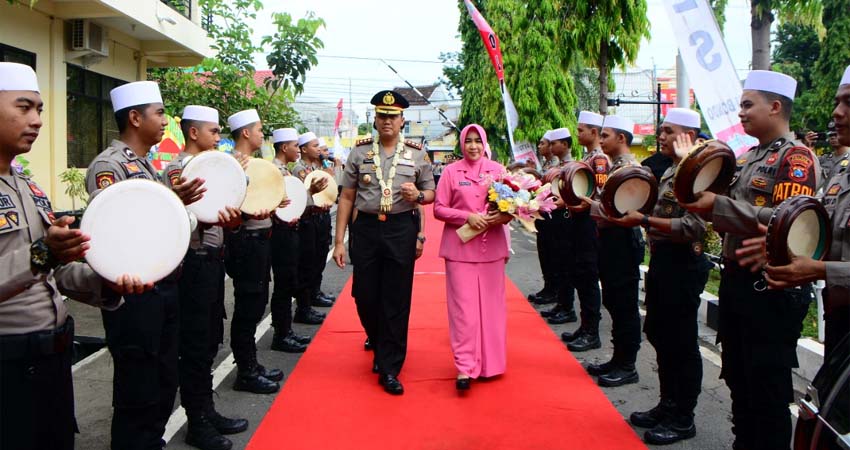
{"x": 328, "y": 196}
{"x": 631, "y": 195}
{"x": 804, "y": 234}
{"x": 266, "y": 188}
{"x": 224, "y": 180}
{"x": 137, "y": 227}
{"x": 707, "y": 174}
{"x": 581, "y": 184}
{"x": 297, "y": 195}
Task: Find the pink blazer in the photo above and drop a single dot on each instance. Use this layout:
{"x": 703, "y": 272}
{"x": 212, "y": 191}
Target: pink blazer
{"x": 459, "y": 194}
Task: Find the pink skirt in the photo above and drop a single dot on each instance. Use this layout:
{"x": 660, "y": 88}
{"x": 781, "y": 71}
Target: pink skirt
{"x": 475, "y": 296}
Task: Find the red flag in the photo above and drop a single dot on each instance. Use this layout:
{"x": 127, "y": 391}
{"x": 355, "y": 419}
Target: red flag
{"x": 491, "y": 41}
{"x": 338, "y": 115}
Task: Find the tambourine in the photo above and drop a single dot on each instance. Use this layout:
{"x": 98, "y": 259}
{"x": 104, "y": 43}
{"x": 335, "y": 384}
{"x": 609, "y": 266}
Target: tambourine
{"x": 137, "y": 227}
{"x": 629, "y": 188}
{"x": 328, "y": 195}
{"x": 799, "y": 226}
{"x": 576, "y": 180}
{"x": 709, "y": 166}
{"x": 550, "y": 175}
{"x": 297, "y": 195}
{"x": 224, "y": 180}
{"x": 266, "y": 188}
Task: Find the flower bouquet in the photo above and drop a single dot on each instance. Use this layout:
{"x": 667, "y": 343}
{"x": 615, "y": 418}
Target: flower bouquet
{"x": 521, "y": 195}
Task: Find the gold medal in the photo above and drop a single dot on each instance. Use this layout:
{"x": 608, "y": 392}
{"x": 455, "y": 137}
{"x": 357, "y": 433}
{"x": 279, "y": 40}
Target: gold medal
{"x": 370, "y": 154}
{"x": 367, "y": 178}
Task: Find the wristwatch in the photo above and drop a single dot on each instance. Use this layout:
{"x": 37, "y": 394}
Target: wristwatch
{"x": 645, "y": 221}
{"x": 41, "y": 258}
{"x": 420, "y": 199}
{"x": 420, "y": 239}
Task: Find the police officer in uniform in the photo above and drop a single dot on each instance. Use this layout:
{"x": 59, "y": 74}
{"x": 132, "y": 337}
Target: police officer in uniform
{"x": 37, "y": 267}
{"x": 545, "y": 239}
{"x": 328, "y": 164}
{"x": 201, "y": 287}
{"x": 678, "y": 271}
{"x": 621, "y": 251}
{"x": 560, "y": 225}
{"x": 583, "y": 261}
{"x": 285, "y": 256}
{"x": 836, "y": 160}
{"x": 314, "y": 223}
{"x": 759, "y": 328}
{"x": 142, "y": 335}
{"x": 248, "y": 262}
{"x": 384, "y": 180}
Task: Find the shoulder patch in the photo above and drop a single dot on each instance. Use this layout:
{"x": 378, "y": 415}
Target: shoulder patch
{"x": 413, "y": 144}
{"x": 132, "y": 168}
{"x": 174, "y": 176}
{"x": 129, "y": 153}
{"x": 104, "y": 179}
{"x": 302, "y": 174}
{"x": 366, "y": 141}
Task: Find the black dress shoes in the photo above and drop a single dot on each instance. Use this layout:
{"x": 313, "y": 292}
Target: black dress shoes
{"x": 321, "y": 302}
{"x": 391, "y": 384}
{"x": 226, "y": 425}
{"x": 551, "y": 312}
{"x": 562, "y": 317}
{"x": 534, "y": 296}
{"x": 600, "y": 369}
{"x": 670, "y": 431}
{"x": 271, "y": 374}
{"x": 201, "y": 434}
{"x": 367, "y": 345}
{"x": 619, "y": 376}
{"x": 327, "y": 297}
{"x": 585, "y": 342}
{"x": 287, "y": 344}
{"x": 545, "y": 299}
{"x": 252, "y": 381}
{"x": 301, "y": 339}
{"x": 567, "y": 336}
{"x": 653, "y": 417}
{"x": 308, "y": 316}
{"x": 463, "y": 384}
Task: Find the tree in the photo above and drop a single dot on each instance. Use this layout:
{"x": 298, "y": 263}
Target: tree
{"x": 796, "y": 52}
{"x": 531, "y": 37}
{"x": 452, "y": 78}
{"x": 607, "y": 32}
{"x": 833, "y": 59}
{"x": 232, "y": 33}
{"x": 764, "y": 12}
{"x": 294, "y": 49}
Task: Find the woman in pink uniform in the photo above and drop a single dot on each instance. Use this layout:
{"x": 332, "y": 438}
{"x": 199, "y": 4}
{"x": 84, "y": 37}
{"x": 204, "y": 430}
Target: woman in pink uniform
{"x": 475, "y": 270}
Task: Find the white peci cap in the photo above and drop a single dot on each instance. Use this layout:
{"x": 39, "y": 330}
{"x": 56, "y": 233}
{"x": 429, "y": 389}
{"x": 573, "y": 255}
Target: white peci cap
{"x": 846, "y": 78}
{"x": 17, "y": 77}
{"x": 683, "y": 116}
{"x": 306, "y": 137}
{"x": 768, "y": 81}
{"x": 242, "y": 118}
{"x": 559, "y": 133}
{"x": 619, "y": 123}
{"x": 547, "y": 135}
{"x": 134, "y": 94}
{"x": 200, "y": 114}
{"x": 284, "y": 135}
{"x": 322, "y": 142}
{"x": 590, "y": 118}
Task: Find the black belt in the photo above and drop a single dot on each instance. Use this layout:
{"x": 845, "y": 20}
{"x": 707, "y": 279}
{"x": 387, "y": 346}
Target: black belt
{"x": 207, "y": 252}
{"x": 38, "y": 343}
{"x": 311, "y": 211}
{"x": 388, "y": 217}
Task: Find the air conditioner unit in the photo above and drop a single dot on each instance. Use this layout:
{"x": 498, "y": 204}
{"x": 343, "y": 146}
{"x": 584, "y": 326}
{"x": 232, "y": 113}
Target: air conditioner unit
{"x": 89, "y": 37}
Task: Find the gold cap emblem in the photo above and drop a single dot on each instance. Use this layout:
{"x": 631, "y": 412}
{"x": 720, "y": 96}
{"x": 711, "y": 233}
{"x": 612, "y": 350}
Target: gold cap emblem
{"x": 389, "y": 99}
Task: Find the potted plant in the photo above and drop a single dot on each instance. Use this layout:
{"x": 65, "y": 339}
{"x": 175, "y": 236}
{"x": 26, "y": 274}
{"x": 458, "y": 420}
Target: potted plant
{"x": 75, "y": 187}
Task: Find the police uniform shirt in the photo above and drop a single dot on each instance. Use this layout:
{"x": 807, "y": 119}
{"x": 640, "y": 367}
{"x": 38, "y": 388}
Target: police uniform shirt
{"x": 832, "y": 164}
{"x": 118, "y": 162}
{"x": 205, "y": 234}
{"x": 836, "y": 200}
{"x": 601, "y": 165}
{"x": 280, "y": 165}
{"x": 552, "y": 162}
{"x": 684, "y": 226}
{"x": 413, "y": 167}
{"x": 301, "y": 170}
{"x": 766, "y": 175}
{"x": 28, "y": 302}
{"x": 625, "y": 160}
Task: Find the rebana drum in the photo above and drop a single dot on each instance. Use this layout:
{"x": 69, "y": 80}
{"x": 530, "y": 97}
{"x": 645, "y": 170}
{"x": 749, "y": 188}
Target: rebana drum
{"x": 577, "y": 179}
{"x": 297, "y": 195}
{"x": 629, "y": 188}
{"x": 799, "y": 226}
{"x": 224, "y": 180}
{"x": 266, "y": 188}
{"x": 328, "y": 195}
{"x": 709, "y": 166}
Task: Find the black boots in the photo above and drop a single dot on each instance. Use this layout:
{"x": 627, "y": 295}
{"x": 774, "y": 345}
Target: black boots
{"x": 287, "y": 343}
{"x": 586, "y": 340}
{"x": 621, "y": 374}
{"x": 202, "y": 434}
{"x": 253, "y": 377}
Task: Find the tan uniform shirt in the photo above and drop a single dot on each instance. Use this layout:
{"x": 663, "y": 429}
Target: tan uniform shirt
{"x": 282, "y": 166}
{"x": 836, "y": 199}
{"x": 596, "y": 211}
{"x": 413, "y": 167}
{"x": 601, "y": 165}
{"x": 117, "y": 163}
{"x": 766, "y": 175}
{"x": 685, "y": 226}
{"x": 28, "y": 302}
{"x": 551, "y": 162}
{"x": 833, "y": 165}
{"x": 205, "y": 234}
{"x": 301, "y": 170}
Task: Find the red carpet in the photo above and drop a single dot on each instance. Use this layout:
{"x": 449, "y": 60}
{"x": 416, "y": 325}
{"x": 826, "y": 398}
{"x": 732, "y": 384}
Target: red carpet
{"x": 544, "y": 401}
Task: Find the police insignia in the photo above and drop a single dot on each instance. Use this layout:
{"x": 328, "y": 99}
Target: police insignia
{"x": 759, "y": 182}
{"x": 760, "y": 200}
{"x": 35, "y": 190}
{"x": 4, "y": 223}
{"x": 742, "y": 161}
{"x": 12, "y": 216}
{"x": 302, "y": 174}
{"x": 670, "y": 195}
{"x": 697, "y": 248}
{"x": 6, "y": 201}
{"x": 833, "y": 189}
{"x": 367, "y": 178}
{"x": 799, "y": 165}
{"x": 388, "y": 99}
{"x": 668, "y": 209}
{"x": 104, "y": 179}
{"x": 772, "y": 158}
{"x": 845, "y": 163}
{"x": 174, "y": 176}
{"x": 132, "y": 168}
{"x": 129, "y": 153}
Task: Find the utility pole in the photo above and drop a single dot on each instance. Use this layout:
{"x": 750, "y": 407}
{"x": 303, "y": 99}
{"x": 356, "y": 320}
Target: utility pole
{"x": 683, "y": 85}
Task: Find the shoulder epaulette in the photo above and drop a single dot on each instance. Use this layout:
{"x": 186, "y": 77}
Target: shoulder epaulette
{"x": 413, "y": 144}
{"x": 366, "y": 141}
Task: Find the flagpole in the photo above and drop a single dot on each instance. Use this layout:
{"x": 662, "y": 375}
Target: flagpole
{"x": 439, "y": 111}
{"x": 507, "y": 116}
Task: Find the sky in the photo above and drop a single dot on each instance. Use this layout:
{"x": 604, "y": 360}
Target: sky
{"x": 411, "y": 34}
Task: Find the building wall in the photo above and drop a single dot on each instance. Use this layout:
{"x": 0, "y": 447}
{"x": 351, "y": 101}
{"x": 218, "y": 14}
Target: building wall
{"x": 36, "y": 32}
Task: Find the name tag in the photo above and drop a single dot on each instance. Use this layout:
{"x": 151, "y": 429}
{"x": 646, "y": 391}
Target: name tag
{"x": 464, "y": 183}
{"x": 406, "y": 162}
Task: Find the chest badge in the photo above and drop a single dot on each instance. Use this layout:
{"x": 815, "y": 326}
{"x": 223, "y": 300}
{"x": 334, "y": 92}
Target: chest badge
{"x": 772, "y": 158}
{"x": 367, "y": 178}
{"x": 833, "y": 189}
{"x": 760, "y": 200}
{"x": 370, "y": 154}
{"x": 6, "y": 201}
{"x": 759, "y": 182}
{"x": 668, "y": 209}
{"x": 13, "y": 217}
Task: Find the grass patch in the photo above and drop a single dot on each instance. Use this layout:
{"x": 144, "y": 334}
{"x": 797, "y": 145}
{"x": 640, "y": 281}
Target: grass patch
{"x": 810, "y": 322}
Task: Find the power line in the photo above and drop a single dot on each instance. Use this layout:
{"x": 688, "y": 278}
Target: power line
{"x": 366, "y": 58}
